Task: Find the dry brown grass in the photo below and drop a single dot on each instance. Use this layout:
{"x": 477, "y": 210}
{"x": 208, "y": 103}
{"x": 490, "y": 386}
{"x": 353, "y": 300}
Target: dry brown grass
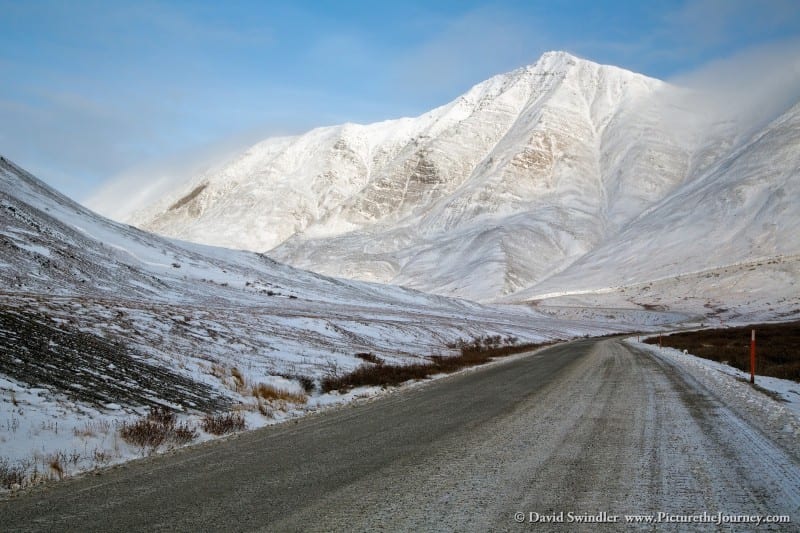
{"x": 232, "y": 378}
{"x": 472, "y": 353}
{"x": 56, "y": 467}
{"x": 777, "y": 347}
{"x": 237, "y": 374}
{"x": 91, "y": 428}
{"x": 217, "y": 371}
{"x": 222, "y": 423}
{"x": 240, "y": 383}
{"x": 265, "y": 409}
{"x": 269, "y": 392}
{"x": 156, "y": 428}
{"x": 11, "y": 474}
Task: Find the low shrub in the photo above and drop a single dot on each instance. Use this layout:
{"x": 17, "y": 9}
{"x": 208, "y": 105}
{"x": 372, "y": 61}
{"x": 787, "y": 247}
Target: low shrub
{"x": 162, "y": 417}
{"x": 370, "y": 358}
{"x": 156, "y": 428}
{"x": 376, "y": 375}
{"x": 184, "y": 434}
{"x": 222, "y": 423}
{"x": 143, "y": 433}
{"x": 306, "y": 382}
{"x": 11, "y": 474}
{"x": 269, "y": 392}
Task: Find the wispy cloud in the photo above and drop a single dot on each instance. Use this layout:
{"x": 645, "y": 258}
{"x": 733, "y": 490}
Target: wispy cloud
{"x": 71, "y": 129}
{"x": 145, "y": 183}
{"x": 750, "y": 87}
{"x": 674, "y": 39}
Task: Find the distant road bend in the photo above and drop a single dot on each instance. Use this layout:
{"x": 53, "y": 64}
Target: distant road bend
{"x": 586, "y": 427}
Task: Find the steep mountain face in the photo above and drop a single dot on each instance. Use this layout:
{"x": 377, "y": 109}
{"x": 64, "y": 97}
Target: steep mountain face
{"x": 516, "y": 164}
{"x": 496, "y": 192}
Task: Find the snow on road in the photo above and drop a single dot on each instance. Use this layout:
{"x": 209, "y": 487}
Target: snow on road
{"x": 775, "y": 413}
{"x": 719, "y": 376}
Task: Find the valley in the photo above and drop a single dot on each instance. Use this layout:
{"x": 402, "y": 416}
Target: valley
{"x": 347, "y": 301}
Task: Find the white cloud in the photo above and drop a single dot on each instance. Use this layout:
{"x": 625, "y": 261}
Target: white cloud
{"x": 751, "y": 87}
{"x": 145, "y": 184}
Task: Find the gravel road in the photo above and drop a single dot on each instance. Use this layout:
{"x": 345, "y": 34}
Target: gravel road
{"x": 587, "y": 427}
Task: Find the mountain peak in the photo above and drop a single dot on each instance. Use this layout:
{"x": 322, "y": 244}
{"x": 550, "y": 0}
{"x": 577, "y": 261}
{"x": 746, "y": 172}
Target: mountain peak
{"x": 549, "y": 62}
{"x": 553, "y": 56}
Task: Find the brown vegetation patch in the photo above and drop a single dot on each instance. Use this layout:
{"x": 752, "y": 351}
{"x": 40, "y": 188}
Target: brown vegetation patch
{"x": 472, "y": 353}
{"x": 370, "y": 358}
{"x": 777, "y": 347}
{"x": 222, "y": 423}
{"x": 156, "y": 428}
{"x": 269, "y": 392}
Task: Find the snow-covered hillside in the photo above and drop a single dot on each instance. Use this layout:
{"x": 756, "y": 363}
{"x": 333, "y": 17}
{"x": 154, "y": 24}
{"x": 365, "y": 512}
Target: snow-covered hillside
{"x": 555, "y": 167}
{"x": 100, "y": 320}
{"x": 728, "y": 239}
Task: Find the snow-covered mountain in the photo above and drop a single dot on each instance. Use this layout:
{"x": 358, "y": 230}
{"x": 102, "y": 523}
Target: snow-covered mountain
{"x": 553, "y": 168}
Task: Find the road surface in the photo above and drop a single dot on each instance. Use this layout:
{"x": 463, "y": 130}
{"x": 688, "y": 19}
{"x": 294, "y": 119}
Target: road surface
{"x": 588, "y": 427}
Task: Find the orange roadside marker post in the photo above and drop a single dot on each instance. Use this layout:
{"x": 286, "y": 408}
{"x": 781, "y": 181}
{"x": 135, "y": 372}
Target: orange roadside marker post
{"x": 753, "y": 356}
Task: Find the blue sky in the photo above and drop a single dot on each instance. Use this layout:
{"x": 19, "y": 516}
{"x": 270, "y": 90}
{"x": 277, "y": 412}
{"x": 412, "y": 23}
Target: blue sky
{"x": 95, "y": 90}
